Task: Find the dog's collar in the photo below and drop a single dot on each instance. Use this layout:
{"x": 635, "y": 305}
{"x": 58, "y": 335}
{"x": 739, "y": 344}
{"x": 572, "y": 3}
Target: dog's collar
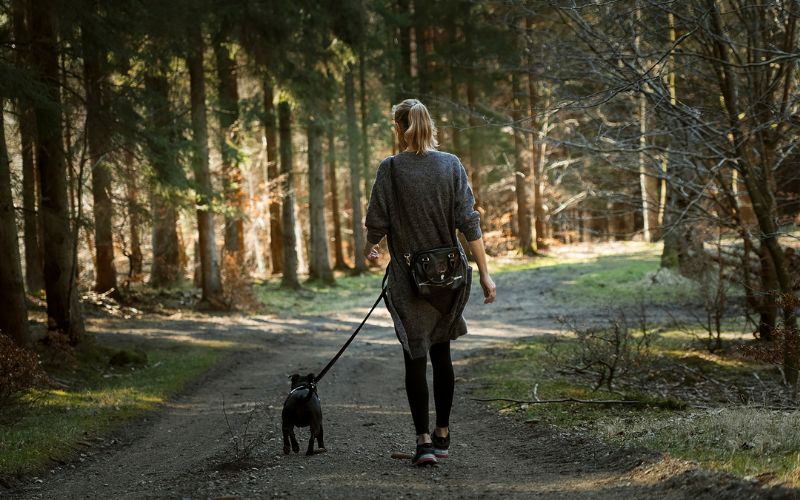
{"x": 310, "y": 386}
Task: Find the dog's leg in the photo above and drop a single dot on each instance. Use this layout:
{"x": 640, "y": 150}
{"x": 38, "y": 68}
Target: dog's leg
{"x": 320, "y": 440}
{"x": 295, "y": 445}
{"x": 310, "y": 450}
{"x": 286, "y": 431}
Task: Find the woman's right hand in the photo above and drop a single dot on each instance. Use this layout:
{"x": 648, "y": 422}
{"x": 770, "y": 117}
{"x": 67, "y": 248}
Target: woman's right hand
{"x": 489, "y": 288}
{"x": 479, "y": 254}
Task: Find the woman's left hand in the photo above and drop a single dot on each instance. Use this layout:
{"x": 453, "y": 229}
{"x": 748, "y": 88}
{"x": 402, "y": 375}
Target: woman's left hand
{"x": 371, "y": 252}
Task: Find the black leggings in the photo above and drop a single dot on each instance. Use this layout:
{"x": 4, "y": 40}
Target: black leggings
{"x": 417, "y": 386}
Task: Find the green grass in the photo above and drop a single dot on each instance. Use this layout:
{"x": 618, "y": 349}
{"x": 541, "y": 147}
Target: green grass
{"x": 317, "y": 298}
{"x": 626, "y": 279}
{"x": 97, "y": 400}
{"x": 743, "y": 440}
{"x": 746, "y": 441}
{"x": 525, "y": 263}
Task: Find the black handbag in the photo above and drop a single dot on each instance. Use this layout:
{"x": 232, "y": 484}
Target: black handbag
{"x": 437, "y": 270}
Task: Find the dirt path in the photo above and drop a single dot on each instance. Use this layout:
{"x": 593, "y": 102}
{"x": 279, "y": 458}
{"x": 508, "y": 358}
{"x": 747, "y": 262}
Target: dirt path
{"x": 177, "y": 451}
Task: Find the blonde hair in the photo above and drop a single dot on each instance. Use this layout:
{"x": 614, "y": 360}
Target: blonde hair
{"x": 418, "y": 129}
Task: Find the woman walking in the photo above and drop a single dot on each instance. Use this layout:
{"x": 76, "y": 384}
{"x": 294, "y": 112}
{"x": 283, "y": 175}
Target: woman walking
{"x": 420, "y": 197}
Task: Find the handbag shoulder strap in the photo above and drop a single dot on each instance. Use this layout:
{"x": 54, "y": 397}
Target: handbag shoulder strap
{"x": 397, "y": 215}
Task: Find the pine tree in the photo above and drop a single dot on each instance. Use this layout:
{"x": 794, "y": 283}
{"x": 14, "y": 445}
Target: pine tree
{"x": 14, "y": 313}
{"x": 211, "y": 282}
{"x": 63, "y": 305}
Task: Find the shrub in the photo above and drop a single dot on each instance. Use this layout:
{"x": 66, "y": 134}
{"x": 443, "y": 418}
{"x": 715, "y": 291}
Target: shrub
{"x": 19, "y": 373}
{"x": 607, "y": 353}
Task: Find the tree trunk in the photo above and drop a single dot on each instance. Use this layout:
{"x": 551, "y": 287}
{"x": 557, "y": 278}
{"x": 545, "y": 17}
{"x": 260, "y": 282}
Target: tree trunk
{"x": 135, "y": 257}
{"x": 270, "y": 130}
{"x": 728, "y": 83}
{"x": 767, "y": 303}
{"x": 422, "y": 48}
{"x": 320, "y": 266}
{"x": 63, "y": 304}
{"x": 355, "y": 188}
{"x": 455, "y": 78}
{"x": 289, "y": 278}
{"x": 533, "y": 103}
{"x": 365, "y": 150}
{"x": 538, "y": 176}
{"x": 34, "y": 278}
{"x": 673, "y": 101}
{"x": 645, "y": 198}
{"x": 210, "y": 280}
{"x": 455, "y": 134}
{"x": 14, "y": 313}
{"x": 338, "y": 244}
{"x": 403, "y": 75}
{"x": 167, "y": 269}
{"x": 98, "y": 138}
{"x": 642, "y": 103}
{"x": 232, "y": 180}
{"x": 522, "y": 171}
{"x": 475, "y": 158}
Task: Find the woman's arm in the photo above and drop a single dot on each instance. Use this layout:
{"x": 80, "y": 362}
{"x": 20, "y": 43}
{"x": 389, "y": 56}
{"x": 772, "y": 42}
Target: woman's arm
{"x": 479, "y": 254}
{"x": 377, "y": 219}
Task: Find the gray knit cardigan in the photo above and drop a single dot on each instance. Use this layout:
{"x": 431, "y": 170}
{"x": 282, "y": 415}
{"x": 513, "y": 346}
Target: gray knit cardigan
{"x": 434, "y": 198}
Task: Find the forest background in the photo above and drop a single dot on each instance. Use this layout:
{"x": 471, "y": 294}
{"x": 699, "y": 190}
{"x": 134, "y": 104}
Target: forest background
{"x": 147, "y": 145}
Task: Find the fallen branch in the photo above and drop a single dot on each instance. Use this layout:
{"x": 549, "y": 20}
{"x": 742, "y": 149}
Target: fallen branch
{"x": 564, "y": 400}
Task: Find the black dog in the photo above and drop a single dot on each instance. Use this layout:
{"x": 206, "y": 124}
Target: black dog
{"x": 302, "y": 409}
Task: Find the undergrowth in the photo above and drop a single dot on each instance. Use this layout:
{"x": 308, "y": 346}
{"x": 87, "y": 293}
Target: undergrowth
{"x": 712, "y": 408}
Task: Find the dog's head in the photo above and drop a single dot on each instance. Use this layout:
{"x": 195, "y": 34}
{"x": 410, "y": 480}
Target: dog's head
{"x": 298, "y": 380}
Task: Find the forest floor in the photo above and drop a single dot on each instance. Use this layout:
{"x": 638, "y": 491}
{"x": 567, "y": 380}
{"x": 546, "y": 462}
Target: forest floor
{"x": 183, "y": 449}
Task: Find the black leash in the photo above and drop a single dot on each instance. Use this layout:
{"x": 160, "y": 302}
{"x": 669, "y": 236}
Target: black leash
{"x": 338, "y": 354}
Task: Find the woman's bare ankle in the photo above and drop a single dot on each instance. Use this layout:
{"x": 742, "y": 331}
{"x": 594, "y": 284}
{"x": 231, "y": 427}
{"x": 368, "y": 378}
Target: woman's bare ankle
{"x": 442, "y": 432}
{"x": 423, "y": 438}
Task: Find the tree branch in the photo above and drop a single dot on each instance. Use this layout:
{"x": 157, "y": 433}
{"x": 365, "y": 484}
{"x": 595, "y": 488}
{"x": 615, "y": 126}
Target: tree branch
{"x": 564, "y": 400}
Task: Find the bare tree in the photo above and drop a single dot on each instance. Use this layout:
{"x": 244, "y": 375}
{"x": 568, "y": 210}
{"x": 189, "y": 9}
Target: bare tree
{"x": 290, "y": 260}
{"x": 355, "y": 172}
{"x": 211, "y": 282}
{"x": 319, "y": 266}
{"x": 733, "y": 126}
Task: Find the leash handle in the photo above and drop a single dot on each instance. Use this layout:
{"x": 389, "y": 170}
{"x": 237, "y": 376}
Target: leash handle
{"x": 346, "y": 344}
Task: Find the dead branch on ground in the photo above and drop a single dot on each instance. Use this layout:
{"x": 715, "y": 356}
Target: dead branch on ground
{"x": 563, "y": 400}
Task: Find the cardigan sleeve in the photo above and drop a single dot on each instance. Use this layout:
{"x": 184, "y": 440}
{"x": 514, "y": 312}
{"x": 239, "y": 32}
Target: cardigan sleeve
{"x": 377, "y": 220}
{"x": 468, "y": 220}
